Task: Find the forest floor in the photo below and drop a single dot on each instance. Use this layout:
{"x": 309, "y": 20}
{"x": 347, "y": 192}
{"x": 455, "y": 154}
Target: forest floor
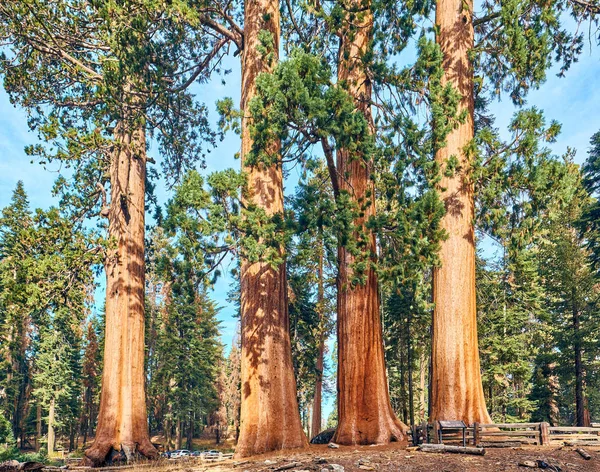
{"x": 393, "y": 458}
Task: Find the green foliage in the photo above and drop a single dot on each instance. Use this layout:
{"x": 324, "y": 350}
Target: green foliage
{"x": 182, "y": 328}
{"x": 46, "y": 274}
{"x": 518, "y": 40}
{"x": 80, "y": 70}
{"x": 7, "y": 439}
{"x": 590, "y": 219}
{"x": 311, "y": 279}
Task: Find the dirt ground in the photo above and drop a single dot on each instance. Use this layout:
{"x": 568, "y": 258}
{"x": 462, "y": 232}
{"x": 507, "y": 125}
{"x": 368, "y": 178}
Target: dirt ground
{"x": 393, "y": 458}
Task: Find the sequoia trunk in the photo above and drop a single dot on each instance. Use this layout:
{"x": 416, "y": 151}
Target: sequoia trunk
{"x": 270, "y": 419}
{"x": 122, "y": 419}
{"x": 365, "y": 415}
{"x": 456, "y": 391}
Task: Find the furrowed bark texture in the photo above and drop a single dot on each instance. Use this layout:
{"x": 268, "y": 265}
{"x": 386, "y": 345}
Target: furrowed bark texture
{"x": 457, "y": 392}
{"x": 365, "y": 414}
{"x": 122, "y": 419}
{"x": 270, "y": 419}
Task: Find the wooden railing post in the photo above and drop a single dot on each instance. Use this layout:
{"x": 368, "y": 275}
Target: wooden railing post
{"x": 436, "y": 432}
{"x": 476, "y": 434}
{"x": 544, "y": 434}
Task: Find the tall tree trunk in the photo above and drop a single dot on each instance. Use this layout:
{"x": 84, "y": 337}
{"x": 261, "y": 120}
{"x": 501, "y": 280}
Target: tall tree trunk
{"x": 317, "y": 397}
{"x": 457, "y": 392}
{"x": 423, "y": 365}
{"x": 582, "y": 415}
{"x": 122, "y": 419}
{"x": 51, "y": 435}
{"x": 190, "y": 433}
{"x": 38, "y": 430}
{"x": 365, "y": 415}
{"x": 178, "y": 435}
{"x": 270, "y": 419}
{"x": 411, "y": 400}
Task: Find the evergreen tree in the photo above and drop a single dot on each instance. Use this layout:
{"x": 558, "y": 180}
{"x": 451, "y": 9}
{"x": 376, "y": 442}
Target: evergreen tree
{"x": 15, "y": 308}
{"x": 53, "y": 378}
{"x": 112, "y": 75}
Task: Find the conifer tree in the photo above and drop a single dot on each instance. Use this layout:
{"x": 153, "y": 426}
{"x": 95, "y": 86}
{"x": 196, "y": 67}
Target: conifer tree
{"x": 15, "y": 310}
{"x": 511, "y": 46}
{"x": 266, "y": 350}
{"x": 112, "y": 74}
{"x": 311, "y": 274}
{"x": 90, "y": 375}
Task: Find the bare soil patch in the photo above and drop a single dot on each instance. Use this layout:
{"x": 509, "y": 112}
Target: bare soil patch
{"x": 394, "y": 458}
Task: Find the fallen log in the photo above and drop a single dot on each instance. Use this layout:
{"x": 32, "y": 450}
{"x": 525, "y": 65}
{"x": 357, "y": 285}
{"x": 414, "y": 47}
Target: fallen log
{"x": 499, "y": 444}
{"x": 10, "y": 466}
{"x": 478, "y": 451}
{"x": 582, "y": 443}
{"x": 530, "y": 464}
{"x": 291, "y": 465}
{"x": 583, "y": 453}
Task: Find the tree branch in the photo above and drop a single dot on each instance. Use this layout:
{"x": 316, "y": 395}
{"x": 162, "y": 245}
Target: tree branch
{"x": 235, "y": 36}
{"x": 331, "y": 167}
{"x": 202, "y": 66}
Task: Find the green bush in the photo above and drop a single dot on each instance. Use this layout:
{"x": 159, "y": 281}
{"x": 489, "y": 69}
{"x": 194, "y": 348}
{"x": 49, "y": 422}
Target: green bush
{"x": 8, "y": 444}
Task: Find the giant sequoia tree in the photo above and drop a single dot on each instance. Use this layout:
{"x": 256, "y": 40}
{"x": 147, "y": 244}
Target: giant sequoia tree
{"x": 111, "y": 73}
{"x": 457, "y": 392}
{"x": 365, "y": 414}
{"x": 511, "y": 46}
{"x": 269, "y": 412}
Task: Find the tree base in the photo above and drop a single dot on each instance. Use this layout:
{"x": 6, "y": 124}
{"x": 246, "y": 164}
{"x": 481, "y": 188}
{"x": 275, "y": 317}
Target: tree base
{"x": 247, "y": 450}
{"x": 105, "y": 453}
{"x": 371, "y": 432}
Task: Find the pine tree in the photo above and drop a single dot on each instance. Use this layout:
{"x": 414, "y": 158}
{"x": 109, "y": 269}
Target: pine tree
{"x": 52, "y": 379}
{"x": 91, "y": 368}
{"x": 15, "y": 309}
{"x": 573, "y": 286}
{"x": 311, "y": 275}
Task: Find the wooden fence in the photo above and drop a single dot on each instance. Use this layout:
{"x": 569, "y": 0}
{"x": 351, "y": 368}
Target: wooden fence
{"x": 522, "y": 433}
{"x": 574, "y": 435}
{"x": 506, "y": 434}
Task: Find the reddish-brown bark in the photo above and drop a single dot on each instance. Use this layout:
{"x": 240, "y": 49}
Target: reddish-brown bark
{"x": 456, "y": 391}
{"x": 365, "y": 415}
{"x": 270, "y": 418}
{"x": 122, "y": 419}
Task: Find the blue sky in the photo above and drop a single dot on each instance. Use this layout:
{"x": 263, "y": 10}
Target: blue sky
{"x": 574, "y": 101}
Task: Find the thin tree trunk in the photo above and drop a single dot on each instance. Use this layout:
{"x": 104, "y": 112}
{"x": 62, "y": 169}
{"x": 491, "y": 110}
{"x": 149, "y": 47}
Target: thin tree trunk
{"x": 364, "y": 412}
{"x": 457, "y": 392}
{"x": 422, "y": 384}
{"x": 122, "y": 419}
{"x": 190, "y": 433}
{"x": 51, "y": 435}
{"x": 430, "y": 374}
{"x": 178, "y": 435}
{"x": 38, "y": 431}
{"x": 270, "y": 419}
{"x": 317, "y": 398}
{"x": 167, "y": 434}
{"x": 411, "y": 400}
{"x": 582, "y": 415}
